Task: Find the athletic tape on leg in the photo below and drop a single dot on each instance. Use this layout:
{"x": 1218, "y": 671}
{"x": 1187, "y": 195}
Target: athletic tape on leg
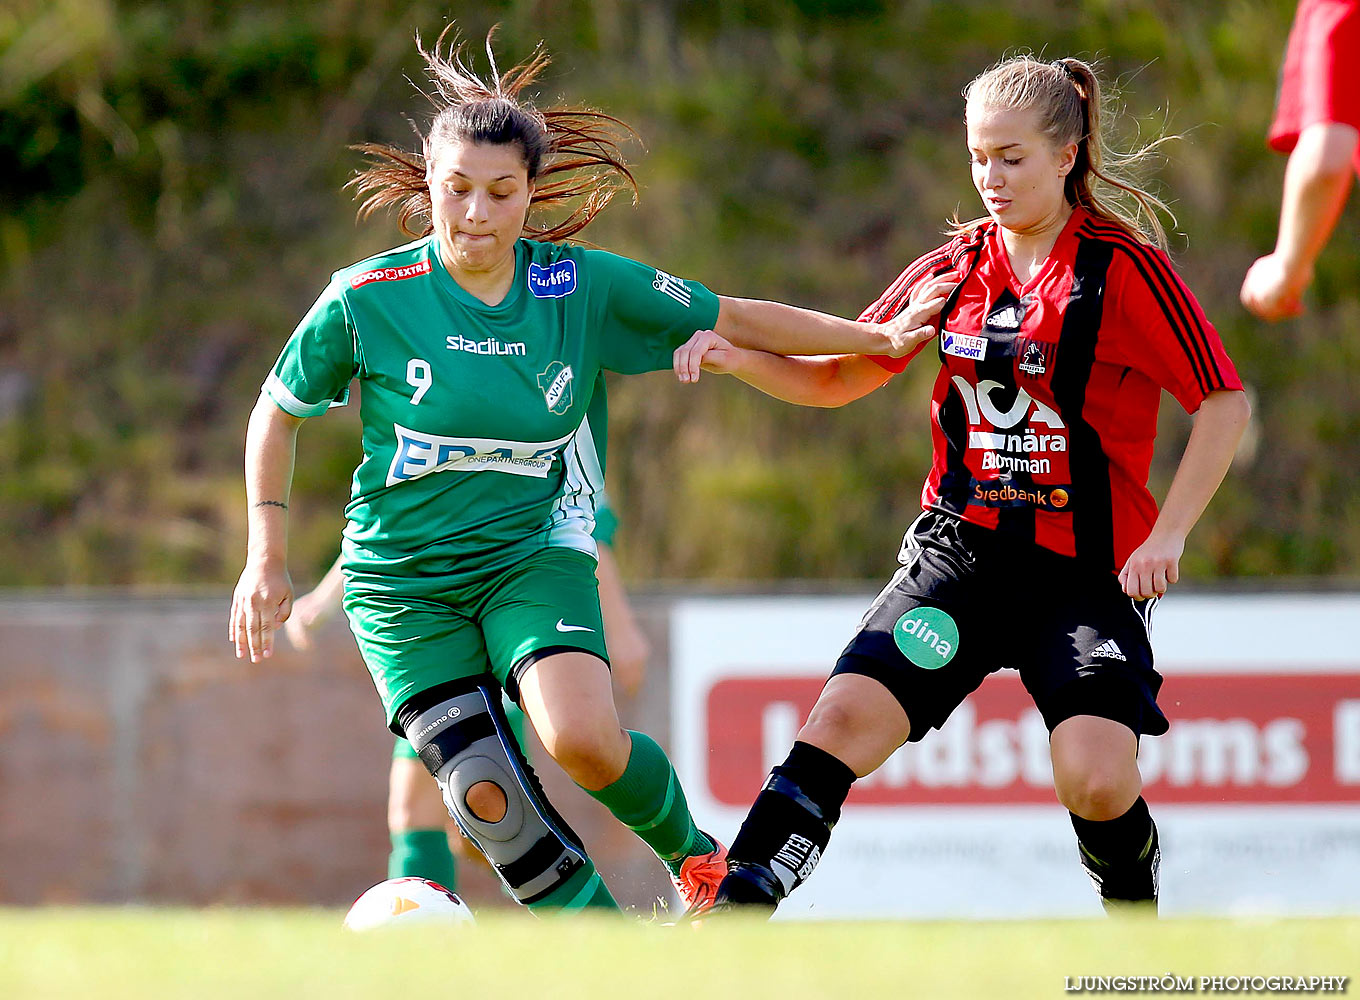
{"x": 465, "y": 740}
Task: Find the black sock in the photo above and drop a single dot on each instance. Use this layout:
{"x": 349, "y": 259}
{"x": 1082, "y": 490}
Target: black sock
{"x": 1121, "y": 856}
{"x": 1120, "y": 841}
{"x": 790, "y": 823}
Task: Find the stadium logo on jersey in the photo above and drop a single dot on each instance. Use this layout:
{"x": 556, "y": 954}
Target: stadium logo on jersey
{"x": 490, "y": 347}
{"x": 419, "y": 454}
{"x": 927, "y": 637}
{"x": 555, "y": 381}
{"x": 961, "y": 345}
{"x": 390, "y": 274}
{"x": 669, "y": 284}
{"x": 1033, "y": 362}
{"x": 554, "y": 281}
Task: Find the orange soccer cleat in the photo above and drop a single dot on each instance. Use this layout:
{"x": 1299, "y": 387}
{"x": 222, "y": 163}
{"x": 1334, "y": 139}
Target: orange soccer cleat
{"x": 697, "y": 882}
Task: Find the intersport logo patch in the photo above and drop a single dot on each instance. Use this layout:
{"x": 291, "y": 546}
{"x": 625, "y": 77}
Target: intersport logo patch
{"x": 961, "y": 345}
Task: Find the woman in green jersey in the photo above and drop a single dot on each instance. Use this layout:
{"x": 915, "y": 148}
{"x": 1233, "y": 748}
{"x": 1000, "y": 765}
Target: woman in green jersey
{"x": 424, "y": 842}
{"x": 468, "y": 557}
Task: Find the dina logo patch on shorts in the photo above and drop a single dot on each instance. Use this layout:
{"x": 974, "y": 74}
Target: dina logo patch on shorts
{"x": 555, "y": 381}
{"x": 927, "y": 637}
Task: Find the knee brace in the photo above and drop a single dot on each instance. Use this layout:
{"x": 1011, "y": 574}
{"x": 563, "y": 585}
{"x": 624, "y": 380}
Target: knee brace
{"x": 465, "y": 739}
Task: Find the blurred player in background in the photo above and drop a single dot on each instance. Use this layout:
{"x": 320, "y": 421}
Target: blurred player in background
{"x": 417, "y": 821}
{"x": 468, "y": 561}
{"x": 1040, "y": 546}
{"x": 1317, "y": 121}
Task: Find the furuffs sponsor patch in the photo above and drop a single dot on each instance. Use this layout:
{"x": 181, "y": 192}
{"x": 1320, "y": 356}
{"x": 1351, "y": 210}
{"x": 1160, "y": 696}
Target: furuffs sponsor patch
{"x": 962, "y": 346}
{"x": 554, "y": 281}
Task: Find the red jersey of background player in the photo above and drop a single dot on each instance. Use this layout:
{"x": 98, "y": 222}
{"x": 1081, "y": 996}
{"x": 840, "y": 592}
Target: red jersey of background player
{"x": 1045, "y": 408}
{"x": 1318, "y": 83}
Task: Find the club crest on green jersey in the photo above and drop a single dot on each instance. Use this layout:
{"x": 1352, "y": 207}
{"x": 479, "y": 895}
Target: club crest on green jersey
{"x": 555, "y": 381}
{"x": 927, "y": 637}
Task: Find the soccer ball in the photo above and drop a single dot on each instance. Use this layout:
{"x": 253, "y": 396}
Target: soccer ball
{"x": 405, "y": 902}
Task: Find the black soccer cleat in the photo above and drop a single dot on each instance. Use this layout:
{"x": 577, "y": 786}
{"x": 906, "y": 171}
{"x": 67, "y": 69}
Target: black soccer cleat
{"x": 1128, "y": 888}
{"x": 747, "y": 888}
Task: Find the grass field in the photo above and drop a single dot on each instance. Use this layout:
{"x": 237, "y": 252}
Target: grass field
{"x": 93, "y": 954}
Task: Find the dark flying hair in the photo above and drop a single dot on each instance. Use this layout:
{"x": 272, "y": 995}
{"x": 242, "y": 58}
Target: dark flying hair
{"x": 571, "y": 154}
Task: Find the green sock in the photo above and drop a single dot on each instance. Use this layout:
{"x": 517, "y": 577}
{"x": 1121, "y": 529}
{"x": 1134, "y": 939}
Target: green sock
{"x": 647, "y": 799}
{"x": 424, "y": 854}
{"x": 584, "y": 890}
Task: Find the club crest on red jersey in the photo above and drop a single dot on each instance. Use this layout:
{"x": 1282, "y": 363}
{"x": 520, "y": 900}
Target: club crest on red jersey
{"x": 1032, "y": 360}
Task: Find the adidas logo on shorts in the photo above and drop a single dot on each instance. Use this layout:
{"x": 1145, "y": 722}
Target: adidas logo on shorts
{"x": 1108, "y": 650}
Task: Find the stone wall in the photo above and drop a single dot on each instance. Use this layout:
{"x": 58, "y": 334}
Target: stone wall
{"x": 140, "y": 761}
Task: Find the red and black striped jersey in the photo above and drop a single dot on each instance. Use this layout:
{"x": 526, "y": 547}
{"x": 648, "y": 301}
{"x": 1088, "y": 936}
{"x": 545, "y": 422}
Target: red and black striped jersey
{"x": 1045, "y": 408}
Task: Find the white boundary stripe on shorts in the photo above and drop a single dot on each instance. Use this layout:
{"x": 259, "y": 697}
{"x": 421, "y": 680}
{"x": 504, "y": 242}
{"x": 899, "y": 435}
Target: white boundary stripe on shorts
{"x": 909, "y": 542}
{"x": 1145, "y": 612}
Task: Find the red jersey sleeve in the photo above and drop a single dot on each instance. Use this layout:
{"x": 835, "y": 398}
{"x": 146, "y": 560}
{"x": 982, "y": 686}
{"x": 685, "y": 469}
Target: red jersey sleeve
{"x": 1160, "y": 329}
{"x": 890, "y": 303}
{"x": 1317, "y": 82}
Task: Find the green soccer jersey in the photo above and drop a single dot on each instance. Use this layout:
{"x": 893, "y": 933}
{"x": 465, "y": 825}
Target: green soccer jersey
{"x": 483, "y": 437}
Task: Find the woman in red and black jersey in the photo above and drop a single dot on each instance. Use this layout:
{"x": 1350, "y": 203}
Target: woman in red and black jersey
{"x": 1039, "y": 546}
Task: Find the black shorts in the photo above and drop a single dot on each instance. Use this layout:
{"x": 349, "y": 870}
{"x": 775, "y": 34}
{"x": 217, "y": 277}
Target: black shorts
{"x": 968, "y": 602}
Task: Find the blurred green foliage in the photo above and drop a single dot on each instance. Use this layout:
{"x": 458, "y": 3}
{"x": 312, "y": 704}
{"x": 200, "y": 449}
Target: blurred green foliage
{"x": 170, "y": 203}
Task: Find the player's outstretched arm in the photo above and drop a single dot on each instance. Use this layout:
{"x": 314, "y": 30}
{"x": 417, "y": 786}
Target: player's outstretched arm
{"x": 264, "y": 594}
{"x": 315, "y": 607}
{"x": 628, "y": 646}
{"x": 1316, "y": 183}
{"x": 789, "y": 330}
{"x": 1219, "y": 423}
{"x": 821, "y": 381}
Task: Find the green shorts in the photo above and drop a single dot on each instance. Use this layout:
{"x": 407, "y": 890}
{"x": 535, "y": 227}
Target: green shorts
{"x": 416, "y": 633}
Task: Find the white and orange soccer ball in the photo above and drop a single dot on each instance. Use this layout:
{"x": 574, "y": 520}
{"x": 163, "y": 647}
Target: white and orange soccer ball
{"x": 406, "y": 902}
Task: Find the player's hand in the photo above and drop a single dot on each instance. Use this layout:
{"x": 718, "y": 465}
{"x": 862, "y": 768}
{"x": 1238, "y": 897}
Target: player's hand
{"x": 1153, "y": 567}
{"x": 628, "y": 654}
{"x": 705, "y": 351}
{"x": 261, "y": 603}
{"x": 929, "y": 296}
{"x": 1271, "y": 292}
{"x": 309, "y": 611}
{"x": 912, "y": 326}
